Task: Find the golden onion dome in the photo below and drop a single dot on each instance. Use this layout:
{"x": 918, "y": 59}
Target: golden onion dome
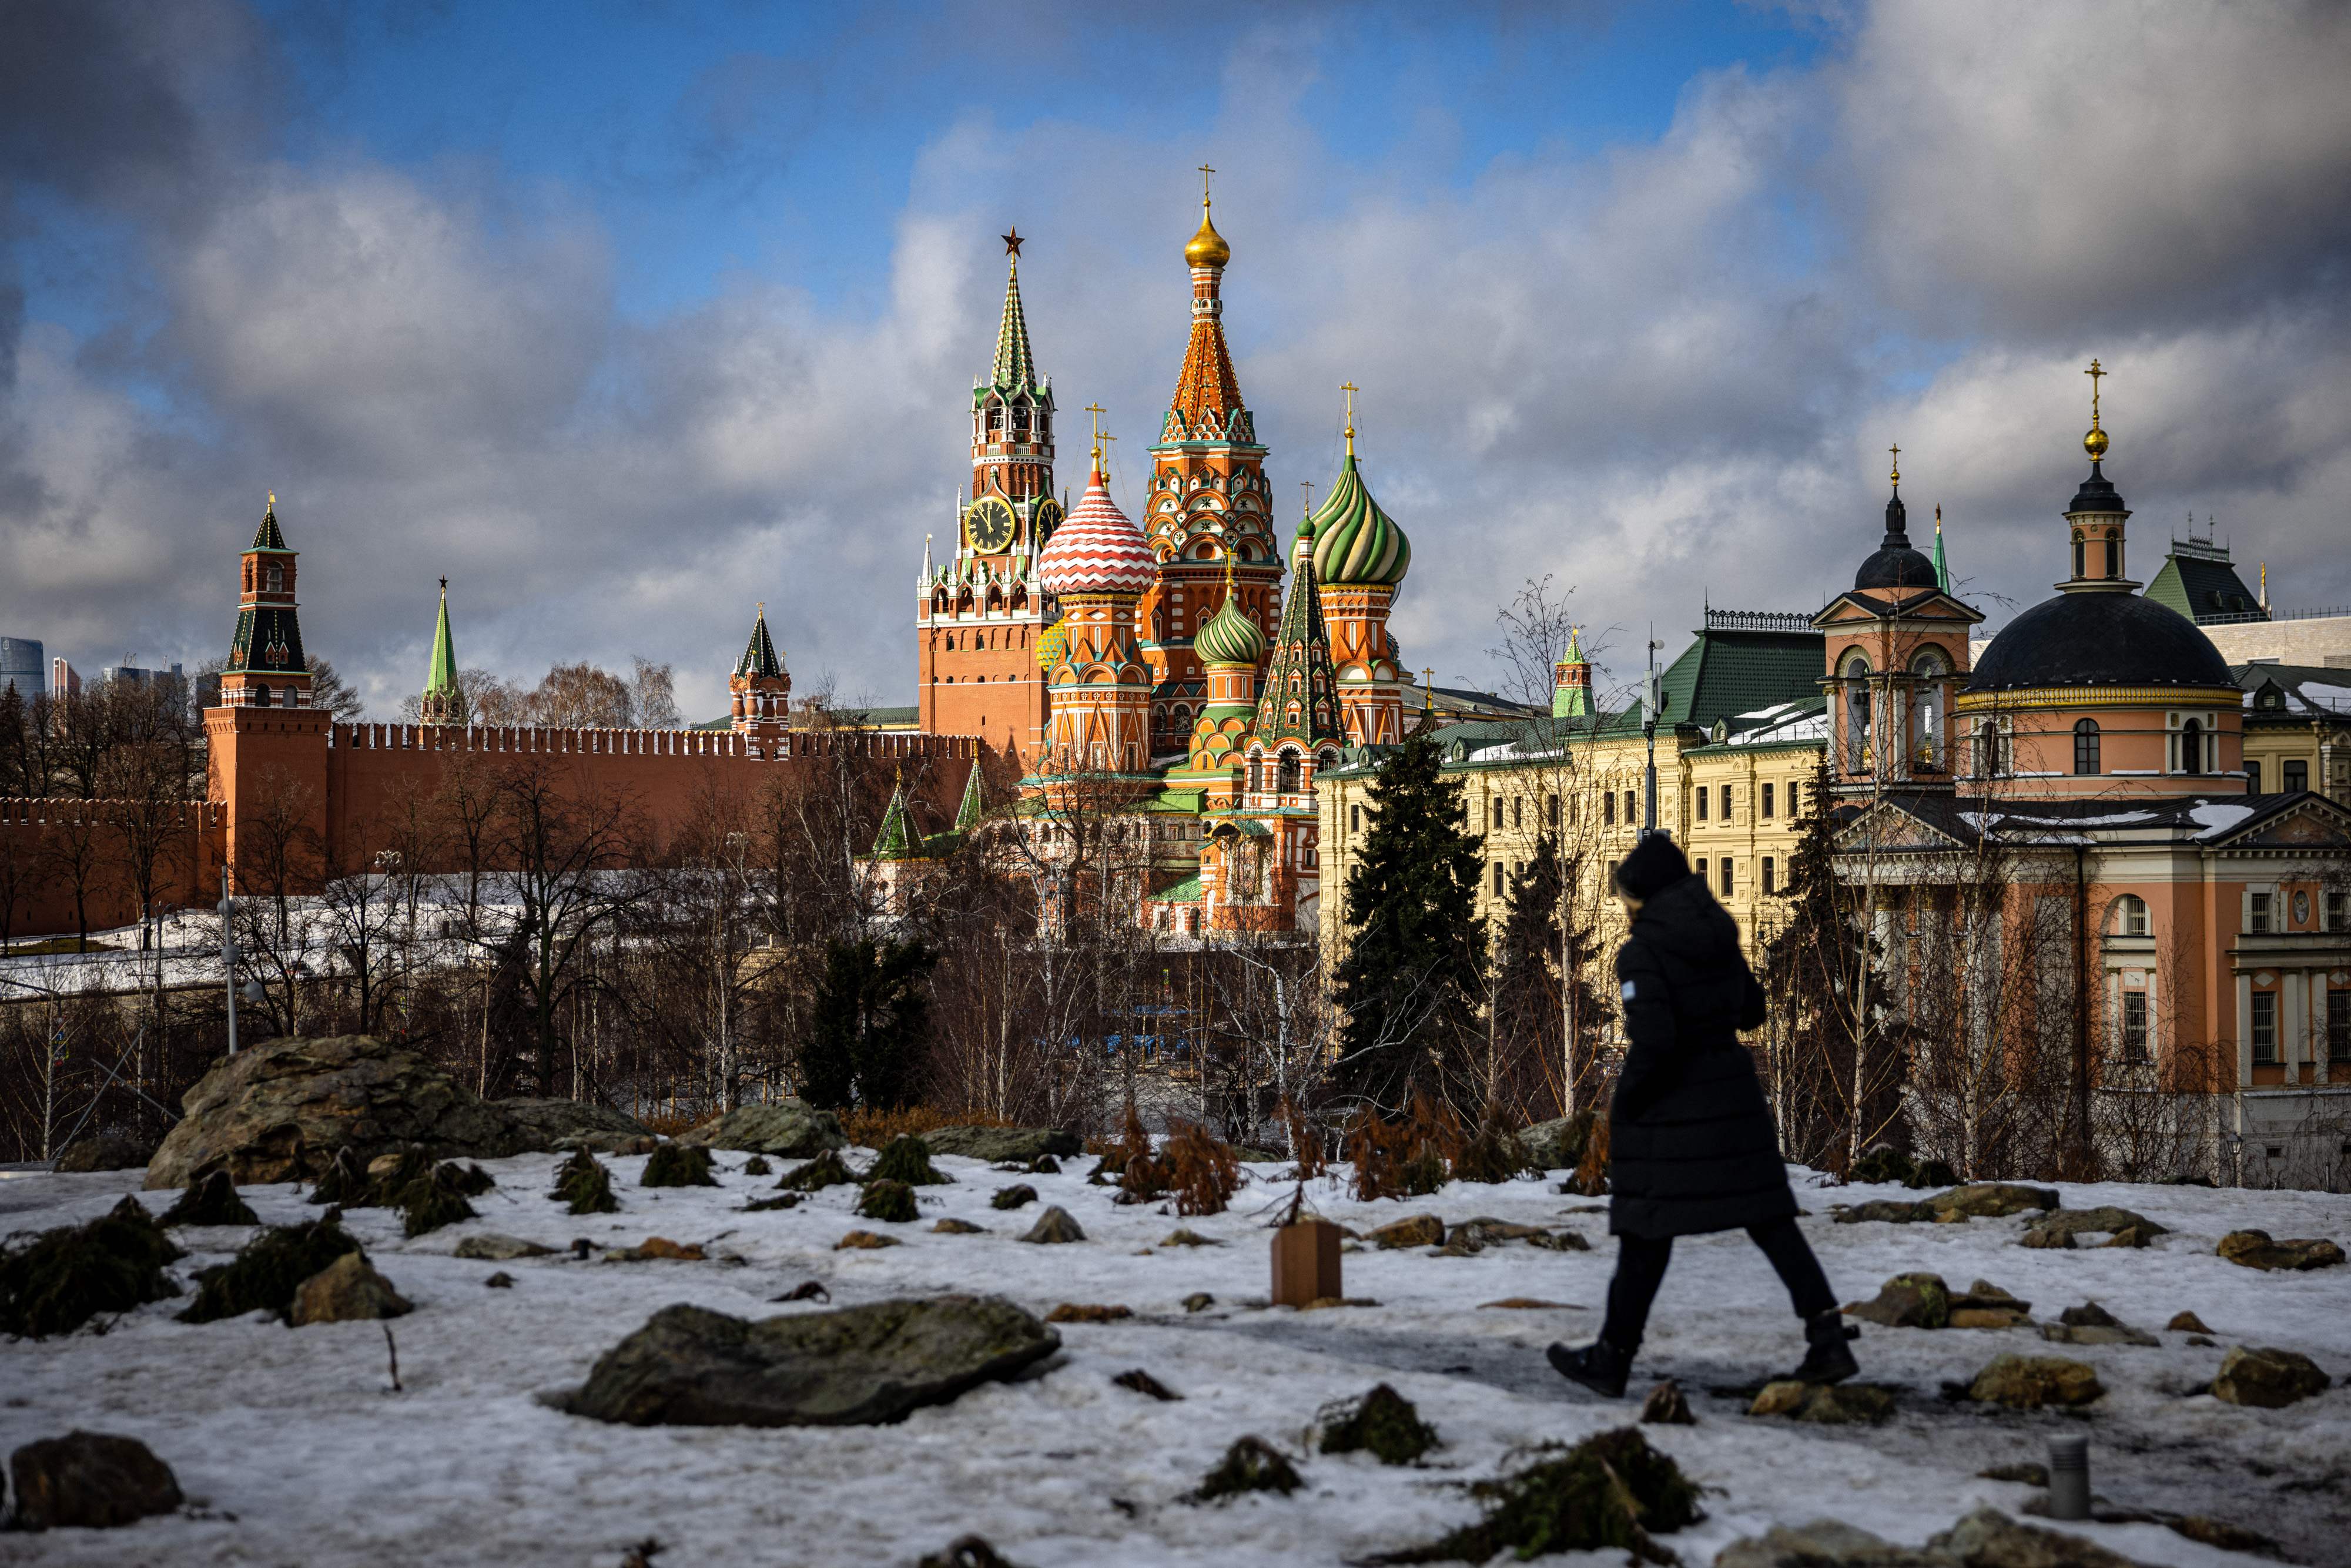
{"x": 1207, "y": 247}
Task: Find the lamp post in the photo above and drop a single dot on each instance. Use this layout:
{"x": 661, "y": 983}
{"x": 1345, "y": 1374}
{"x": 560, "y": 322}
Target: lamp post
{"x": 1649, "y": 733}
{"x": 228, "y": 955}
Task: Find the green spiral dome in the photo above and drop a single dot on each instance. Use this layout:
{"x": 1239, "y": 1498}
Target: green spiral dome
{"x": 1355, "y": 543}
{"x": 1229, "y": 637}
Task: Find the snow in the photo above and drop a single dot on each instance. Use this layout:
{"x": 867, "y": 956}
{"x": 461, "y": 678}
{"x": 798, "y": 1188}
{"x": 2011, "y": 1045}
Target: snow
{"x": 298, "y": 1451}
{"x": 2217, "y": 816}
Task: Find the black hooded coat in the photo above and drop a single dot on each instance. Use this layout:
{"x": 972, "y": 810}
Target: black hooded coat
{"x": 1691, "y": 1145}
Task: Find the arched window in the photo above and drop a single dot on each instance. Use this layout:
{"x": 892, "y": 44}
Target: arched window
{"x": 1927, "y": 710}
{"x": 277, "y": 576}
{"x": 2192, "y": 748}
{"x": 1289, "y": 772}
{"x": 1992, "y": 749}
{"x": 1255, "y": 774}
{"x": 260, "y": 696}
{"x": 2085, "y": 745}
{"x": 2114, "y": 556}
{"x": 2078, "y": 548}
{"x": 2130, "y": 915}
{"x": 1856, "y": 715}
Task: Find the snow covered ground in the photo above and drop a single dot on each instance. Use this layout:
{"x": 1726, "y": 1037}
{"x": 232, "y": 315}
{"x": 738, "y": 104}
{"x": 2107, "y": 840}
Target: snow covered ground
{"x": 295, "y": 1452}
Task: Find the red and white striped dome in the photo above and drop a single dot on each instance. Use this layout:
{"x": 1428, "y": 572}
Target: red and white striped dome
{"x": 1096, "y": 549}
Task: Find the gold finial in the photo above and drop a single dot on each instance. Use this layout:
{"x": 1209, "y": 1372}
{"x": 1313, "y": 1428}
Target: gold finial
{"x": 1938, "y": 519}
{"x": 1897, "y": 464}
{"x": 1351, "y": 389}
{"x": 2096, "y": 442}
{"x": 763, "y": 609}
{"x": 1427, "y": 687}
{"x": 1097, "y": 411}
{"x": 1230, "y": 556}
{"x": 1207, "y": 247}
{"x": 1306, "y": 497}
{"x": 273, "y": 500}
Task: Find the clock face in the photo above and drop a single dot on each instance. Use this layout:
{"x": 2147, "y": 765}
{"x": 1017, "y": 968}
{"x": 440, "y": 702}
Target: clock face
{"x": 988, "y": 524}
{"x": 1049, "y": 518}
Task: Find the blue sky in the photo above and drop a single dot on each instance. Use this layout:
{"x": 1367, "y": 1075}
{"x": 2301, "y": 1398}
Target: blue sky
{"x": 625, "y": 316}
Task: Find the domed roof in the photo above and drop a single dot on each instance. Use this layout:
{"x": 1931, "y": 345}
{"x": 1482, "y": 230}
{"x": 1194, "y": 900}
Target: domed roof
{"x": 2097, "y": 492}
{"x": 2100, "y": 640}
{"x": 1207, "y": 247}
{"x": 1355, "y": 543}
{"x": 1096, "y": 549}
{"x": 1052, "y": 645}
{"x": 1229, "y": 637}
{"x": 1895, "y": 564}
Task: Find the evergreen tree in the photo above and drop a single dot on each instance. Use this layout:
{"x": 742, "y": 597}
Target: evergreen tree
{"x": 1412, "y": 977}
{"x": 869, "y": 1025}
{"x": 1545, "y": 933}
{"x": 12, "y": 742}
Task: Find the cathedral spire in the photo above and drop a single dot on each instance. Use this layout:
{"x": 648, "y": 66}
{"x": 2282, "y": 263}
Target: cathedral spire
{"x": 1299, "y": 699}
{"x": 1016, "y": 367}
{"x": 759, "y": 653}
{"x": 444, "y": 702}
{"x": 1207, "y": 403}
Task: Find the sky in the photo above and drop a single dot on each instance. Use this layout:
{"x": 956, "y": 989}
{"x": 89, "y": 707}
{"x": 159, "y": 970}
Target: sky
{"x": 626, "y": 316}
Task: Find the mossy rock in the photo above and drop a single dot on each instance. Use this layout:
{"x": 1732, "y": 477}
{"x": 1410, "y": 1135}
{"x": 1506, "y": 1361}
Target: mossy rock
{"x": 1251, "y": 1464}
{"x": 892, "y": 1202}
{"x": 585, "y": 1184}
{"x": 61, "y": 1279}
{"x": 2031, "y": 1381}
{"x": 1492, "y": 1155}
{"x": 908, "y": 1160}
{"x": 1609, "y": 1492}
{"x": 1907, "y": 1300}
{"x": 1382, "y": 1423}
{"x": 678, "y": 1165}
{"x": 1826, "y": 1404}
{"x": 1013, "y": 1197}
{"x": 266, "y": 1273}
{"x": 826, "y": 1170}
{"x": 757, "y": 1165}
{"x": 211, "y": 1200}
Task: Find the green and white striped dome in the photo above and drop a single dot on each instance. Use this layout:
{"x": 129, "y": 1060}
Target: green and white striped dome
{"x": 1229, "y": 637}
{"x": 1357, "y": 545}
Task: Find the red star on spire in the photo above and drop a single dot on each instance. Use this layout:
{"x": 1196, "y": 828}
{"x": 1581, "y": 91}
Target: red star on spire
{"x": 1012, "y": 241}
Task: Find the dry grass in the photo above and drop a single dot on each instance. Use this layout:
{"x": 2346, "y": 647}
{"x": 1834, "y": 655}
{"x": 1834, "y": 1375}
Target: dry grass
{"x": 1306, "y": 1138}
{"x": 1376, "y": 1150}
{"x": 1203, "y": 1171}
{"x": 869, "y": 1127}
{"x": 1591, "y": 1177}
{"x": 670, "y": 1127}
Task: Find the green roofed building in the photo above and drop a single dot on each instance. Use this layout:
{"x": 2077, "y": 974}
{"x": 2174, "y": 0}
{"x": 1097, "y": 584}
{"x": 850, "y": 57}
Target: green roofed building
{"x": 2201, "y": 581}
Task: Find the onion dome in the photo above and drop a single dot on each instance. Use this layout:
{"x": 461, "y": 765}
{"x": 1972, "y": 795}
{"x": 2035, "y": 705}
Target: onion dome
{"x": 1355, "y": 543}
{"x": 1097, "y": 549}
{"x": 1895, "y": 563}
{"x": 1207, "y": 247}
{"x": 1053, "y": 646}
{"x": 2100, "y": 640}
{"x": 1229, "y": 637}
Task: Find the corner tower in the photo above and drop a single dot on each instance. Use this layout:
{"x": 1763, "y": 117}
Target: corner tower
{"x": 760, "y": 692}
{"x": 266, "y": 667}
{"x": 1208, "y": 502}
{"x": 266, "y": 747}
{"x": 978, "y": 616}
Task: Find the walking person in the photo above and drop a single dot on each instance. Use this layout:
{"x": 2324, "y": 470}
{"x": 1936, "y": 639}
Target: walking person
{"x": 1691, "y": 1146}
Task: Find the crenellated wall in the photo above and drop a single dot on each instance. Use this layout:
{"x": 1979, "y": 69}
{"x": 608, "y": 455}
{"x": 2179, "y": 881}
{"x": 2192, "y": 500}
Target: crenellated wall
{"x": 41, "y": 838}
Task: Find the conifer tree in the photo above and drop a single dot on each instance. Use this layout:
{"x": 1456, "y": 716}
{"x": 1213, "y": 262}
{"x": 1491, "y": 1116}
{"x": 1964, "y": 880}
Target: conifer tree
{"x": 1545, "y": 933}
{"x": 1412, "y": 979}
{"x": 869, "y": 1026}
{"x": 1813, "y": 971}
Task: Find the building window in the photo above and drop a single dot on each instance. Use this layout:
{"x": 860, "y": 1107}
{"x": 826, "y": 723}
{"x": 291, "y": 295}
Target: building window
{"x": 2293, "y": 777}
{"x": 1519, "y": 811}
{"x": 1551, "y": 808}
{"x": 2192, "y": 748}
{"x": 2334, "y": 912}
{"x": 2134, "y": 1022}
{"x": 1632, "y": 807}
{"x": 2085, "y": 745}
{"x": 2257, "y": 914}
{"x": 2130, "y": 915}
{"x": 1289, "y": 772}
{"x": 1768, "y": 885}
{"x": 2077, "y": 558}
{"x": 2253, "y": 777}
{"x": 2338, "y": 1026}
{"x": 1992, "y": 749}
{"x": 1704, "y": 795}
{"x": 1498, "y": 879}
{"x": 2265, "y": 1028}
{"x": 1609, "y": 809}
{"x": 1856, "y": 715}
{"x": 1700, "y": 866}
{"x": 2113, "y": 557}
{"x": 1795, "y": 797}
{"x": 1767, "y": 807}
{"x": 1727, "y": 812}
{"x": 1727, "y": 888}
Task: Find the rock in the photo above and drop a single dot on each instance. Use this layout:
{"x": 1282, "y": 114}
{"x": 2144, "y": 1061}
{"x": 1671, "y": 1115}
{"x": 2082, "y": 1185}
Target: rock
{"x": 1525, "y": 1304}
{"x": 658, "y": 1249}
{"x": 347, "y": 1291}
{"x": 1488, "y": 1232}
{"x": 2024, "y": 1474}
{"x": 1822, "y": 1543}
{"x": 2057, "y": 1240}
{"x": 1667, "y": 1406}
{"x": 864, "y": 1241}
{"x": 1416, "y": 1230}
{"x": 268, "y": 1271}
{"x": 1991, "y": 1199}
{"x": 90, "y": 1480}
{"x": 2267, "y": 1379}
{"x": 1324, "y": 1303}
{"x": 2090, "y": 1323}
{"x": 1013, "y": 1197}
{"x": 1380, "y": 1422}
{"x": 2254, "y": 1250}
{"x": 1251, "y": 1464}
{"x": 1558, "y": 1144}
{"x": 1199, "y": 1301}
{"x": 1989, "y": 1318}
{"x": 791, "y": 1128}
{"x": 1144, "y": 1383}
{"x": 2132, "y": 1236}
{"x": 2204, "y": 1340}
{"x": 2030, "y": 1382}
{"x": 963, "y": 1552}
{"x": 2219, "y": 1532}
{"x": 1907, "y": 1300}
{"x": 891, "y": 1202}
{"x": 1084, "y": 1312}
{"x": 282, "y": 1108}
{"x": 766, "y": 1205}
{"x": 1054, "y": 1226}
{"x": 1558, "y": 1242}
{"x": 953, "y": 1227}
{"x": 854, "y": 1366}
{"x": 1990, "y": 1539}
{"x": 2106, "y": 1218}
{"x": 104, "y": 1152}
{"x": 501, "y": 1281}
{"x": 1185, "y": 1237}
{"x": 557, "y": 1126}
{"x": 490, "y": 1247}
{"x": 995, "y": 1144}
{"x": 211, "y": 1200}
{"x": 1984, "y": 1538}
{"x": 1826, "y": 1404}
{"x": 2186, "y": 1323}
{"x": 1889, "y": 1210}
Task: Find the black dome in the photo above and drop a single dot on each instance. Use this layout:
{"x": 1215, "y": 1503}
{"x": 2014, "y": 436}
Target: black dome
{"x": 1895, "y": 564}
{"x": 2100, "y": 640}
{"x": 2096, "y": 494}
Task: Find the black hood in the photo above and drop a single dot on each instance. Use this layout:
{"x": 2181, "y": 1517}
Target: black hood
{"x": 1685, "y": 922}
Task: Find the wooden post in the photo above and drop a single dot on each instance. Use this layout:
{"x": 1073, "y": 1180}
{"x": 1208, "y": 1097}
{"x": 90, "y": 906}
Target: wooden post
{"x": 1305, "y": 1263}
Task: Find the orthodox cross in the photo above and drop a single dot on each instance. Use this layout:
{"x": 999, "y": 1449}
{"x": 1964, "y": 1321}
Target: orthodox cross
{"x": 1307, "y": 486}
{"x": 1012, "y": 243}
{"x": 1350, "y": 389}
{"x": 1097, "y": 410}
{"x": 1205, "y": 172}
{"x": 2095, "y": 372}
{"x": 1897, "y": 463}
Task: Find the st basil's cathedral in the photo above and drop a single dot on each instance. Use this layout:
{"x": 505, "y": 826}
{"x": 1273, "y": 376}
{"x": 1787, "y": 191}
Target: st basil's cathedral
{"x": 1158, "y": 672}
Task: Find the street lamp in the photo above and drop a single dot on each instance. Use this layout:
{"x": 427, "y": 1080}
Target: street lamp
{"x": 228, "y": 957}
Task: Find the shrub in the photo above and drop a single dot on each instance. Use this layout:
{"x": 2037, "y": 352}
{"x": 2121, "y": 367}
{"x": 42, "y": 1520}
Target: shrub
{"x": 1886, "y": 1164}
{"x": 267, "y": 1272}
{"x": 437, "y": 1199}
{"x": 61, "y": 1279}
{"x": 585, "y": 1184}
{"x": 211, "y": 1199}
{"x": 1305, "y": 1139}
{"x": 892, "y": 1202}
{"x": 678, "y": 1165}
{"x": 1013, "y": 1197}
{"x": 469, "y": 1180}
{"x": 344, "y": 1182}
{"x": 1611, "y": 1491}
{"x": 1433, "y": 1142}
{"x": 757, "y": 1165}
{"x": 1251, "y": 1464}
{"x": 1142, "y": 1177}
{"x": 873, "y": 1127}
{"x": 908, "y": 1160}
{"x": 1375, "y": 1149}
{"x": 1591, "y": 1177}
{"x": 1204, "y": 1172}
{"x": 826, "y": 1170}
{"x": 1492, "y": 1154}
{"x": 1383, "y": 1423}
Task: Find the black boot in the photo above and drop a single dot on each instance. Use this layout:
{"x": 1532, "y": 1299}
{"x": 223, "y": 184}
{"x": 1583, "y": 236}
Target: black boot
{"x": 1826, "y": 1359}
{"x": 1599, "y": 1366}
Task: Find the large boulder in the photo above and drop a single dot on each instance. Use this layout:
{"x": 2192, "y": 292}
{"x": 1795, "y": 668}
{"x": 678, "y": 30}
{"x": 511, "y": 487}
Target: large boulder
{"x": 2267, "y": 1379}
{"x": 104, "y": 1152}
{"x": 689, "y": 1366}
{"x": 550, "y": 1126}
{"x": 2105, "y": 1218}
{"x": 347, "y": 1291}
{"x": 1907, "y": 1300}
{"x": 1984, "y": 1538}
{"x": 281, "y": 1110}
{"x": 1990, "y": 1200}
{"x": 2030, "y": 1382}
{"x": 1558, "y": 1144}
{"x": 93, "y": 1480}
{"x": 2256, "y": 1249}
{"x": 791, "y": 1128}
{"x": 1004, "y": 1145}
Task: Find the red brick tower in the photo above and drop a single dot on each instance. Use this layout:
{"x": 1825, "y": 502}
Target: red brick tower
{"x": 266, "y": 745}
{"x": 1209, "y": 500}
{"x": 761, "y": 692}
{"x": 977, "y": 618}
